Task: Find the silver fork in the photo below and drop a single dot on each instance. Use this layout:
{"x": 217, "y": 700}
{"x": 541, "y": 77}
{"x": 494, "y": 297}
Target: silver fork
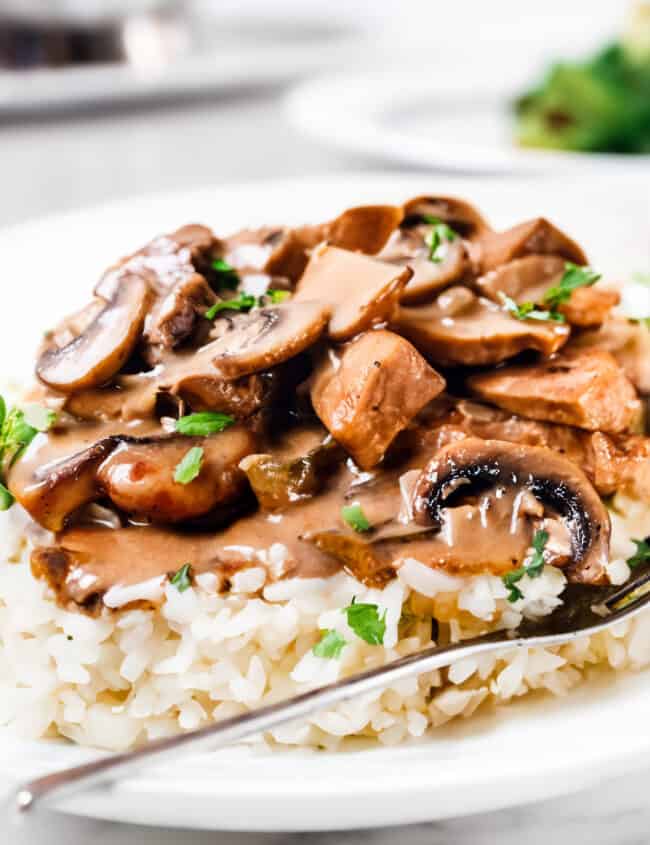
{"x": 586, "y": 610}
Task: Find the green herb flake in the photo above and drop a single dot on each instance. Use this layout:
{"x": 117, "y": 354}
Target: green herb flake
{"x": 277, "y": 296}
{"x": 243, "y": 302}
{"x": 574, "y": 277}
{"x": 189, "y": 468}
{"x": 642, "y": 554}
{"x": 330, "y": 645}
{"x": 527, "y": 311}
{"x": 533, "y": 568}
{"x": 6, "y": 499}
{"x": 365, "y": 621}
{"x": 641, "y": 278}
{"x": 354, "y": 516}
{"x": 181, "y": 579}
{"x": 226, "y": 274}
{"x": 440, "y": 233}
{"x": 203, "y": 424}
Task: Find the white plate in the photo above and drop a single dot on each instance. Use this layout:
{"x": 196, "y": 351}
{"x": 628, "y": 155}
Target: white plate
{"x": 217, "y": 54}
{"x": 531, "y": 750}
{"x": 452, "y": 117}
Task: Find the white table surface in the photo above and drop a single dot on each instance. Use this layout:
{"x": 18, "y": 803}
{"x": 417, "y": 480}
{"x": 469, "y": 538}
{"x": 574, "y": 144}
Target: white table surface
{"x": 48, "y": 166}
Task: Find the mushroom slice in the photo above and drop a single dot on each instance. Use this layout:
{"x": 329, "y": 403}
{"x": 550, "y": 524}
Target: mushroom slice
{"x": 101, "y": 351}
{"x": 165, "y": 261}
{"x": 461, "y": 328}
{"x": 474, "y": 465}
{"x": 538, "y": 236}
{"x": 363, "y": 229}
{"x": 265, "y": 337}
{"x": 459, "y": 214}
{"x": 371, "y": 392}
{"x": 361, "y": 291}
{"x": 51, "y": 491}
{"x": 586, "y": 389}
{"x": 138, "y": 476}
{"x": 528, "y": 279}
{"x": 409, "y": 246}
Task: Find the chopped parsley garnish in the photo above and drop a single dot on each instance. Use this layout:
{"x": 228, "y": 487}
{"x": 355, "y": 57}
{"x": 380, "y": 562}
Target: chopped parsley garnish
{"x": 439, "y": 234}
{"x": 6, "y": 499}
{"x": 203, "y": 424}
{"x": 17, "y": 430}
{"x": 574, "y": 277}
{"x": 226, "y": 274}
{"x": 181, "y": 579}
{"x": 188, "y": 469}
{"x": 277, "y": 296}
{"x": 330, "y": 645}
{"x": 243, "y": 302}
{"x": 527, "y": 310}
{"x": 365, "y": 621}
{"x": 355, "y": 518}
{"x": 642, "y": 554}
{"x": 533, "y": 568}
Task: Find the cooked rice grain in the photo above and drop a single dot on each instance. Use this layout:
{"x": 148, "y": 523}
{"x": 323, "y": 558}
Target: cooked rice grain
{"x": 143, "y": 674}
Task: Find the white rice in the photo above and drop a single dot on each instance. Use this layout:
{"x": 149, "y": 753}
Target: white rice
{"x": 199, "y": 656}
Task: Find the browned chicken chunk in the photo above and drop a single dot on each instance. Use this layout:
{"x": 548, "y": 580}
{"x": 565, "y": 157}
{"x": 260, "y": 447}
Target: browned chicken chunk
{"x": 529, "y": 279}
{"x": 366, "y": 394}
{"x": 586, "y": 389}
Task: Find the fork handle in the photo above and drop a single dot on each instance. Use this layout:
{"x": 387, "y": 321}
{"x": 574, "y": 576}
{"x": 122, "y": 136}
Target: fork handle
{"x": 67, "y": 782}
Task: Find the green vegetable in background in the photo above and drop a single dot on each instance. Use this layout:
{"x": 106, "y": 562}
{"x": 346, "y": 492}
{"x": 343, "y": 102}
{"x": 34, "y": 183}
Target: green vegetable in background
{"x": 601, "y": 104}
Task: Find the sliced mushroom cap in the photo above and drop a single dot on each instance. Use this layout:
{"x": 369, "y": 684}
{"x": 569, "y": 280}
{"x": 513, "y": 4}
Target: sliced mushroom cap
{"x": 361, "y": 291}
{"x": 104, "y": 347}
{"x": 52, "y": 490}
{"x": 473, "y": 465}
{"x": 265, "y": 337}
{"x": 584, "y": 388}
{"x": 371, "y": 392}
{"x": 460, "y": 215}
{"x": 408, "y": 246}
{"x": 528, "y": 279}
{"x": 538, "y": 236}
{"x": 363, "y": 229}
{"x": 139, "y": 476}
{"x": 461, "y": 328}
{"x": 165, "y": 261}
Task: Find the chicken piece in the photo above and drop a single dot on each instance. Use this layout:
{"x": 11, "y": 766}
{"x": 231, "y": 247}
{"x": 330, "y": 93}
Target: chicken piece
{"x": 528, "y": 279}
{"x": 461, "y": 328}
{"x": 371, "y": 392}
{"x": 361, "y": 291}
{"x": 629, "y": 343}
{"x": 586, "y": 389}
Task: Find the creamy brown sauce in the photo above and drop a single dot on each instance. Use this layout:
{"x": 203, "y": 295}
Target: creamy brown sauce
{"x": 492, "y": 534}
{"x": 273, "y": 479}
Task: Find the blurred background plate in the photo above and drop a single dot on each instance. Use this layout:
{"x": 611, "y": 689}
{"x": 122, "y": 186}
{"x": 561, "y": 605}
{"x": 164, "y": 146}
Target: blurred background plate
{"x": 454, "y": 118}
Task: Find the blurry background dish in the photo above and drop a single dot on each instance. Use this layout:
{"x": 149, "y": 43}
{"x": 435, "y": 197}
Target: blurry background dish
{"x": 452, "y": 108}
{"x": 599, "y": 104}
